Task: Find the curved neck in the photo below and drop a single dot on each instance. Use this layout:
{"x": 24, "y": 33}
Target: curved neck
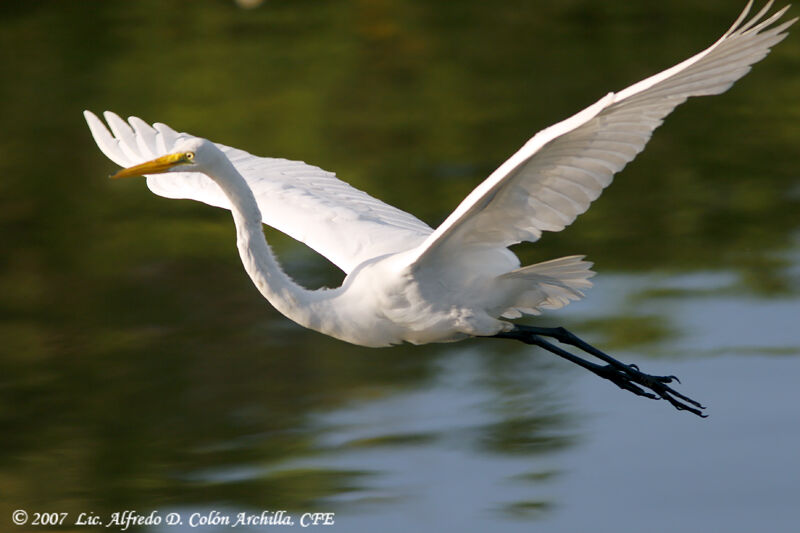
{"x": 292, "y": 300}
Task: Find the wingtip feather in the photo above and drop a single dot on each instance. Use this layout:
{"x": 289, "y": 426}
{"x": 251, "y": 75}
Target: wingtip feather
{"x": 105, "y": 140}
{"x": 145, "y": 136}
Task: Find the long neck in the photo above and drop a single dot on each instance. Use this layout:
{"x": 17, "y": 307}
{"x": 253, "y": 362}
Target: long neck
{"x": 292, "y": 300}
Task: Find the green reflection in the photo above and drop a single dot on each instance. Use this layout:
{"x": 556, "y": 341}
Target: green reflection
{"x": 528, "y": 508}
{"x": 627, "y": 331}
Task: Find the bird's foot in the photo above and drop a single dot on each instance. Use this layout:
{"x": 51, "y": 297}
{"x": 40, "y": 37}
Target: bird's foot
{"x": 625, "y": 376}
{"x": 630, "y": 378}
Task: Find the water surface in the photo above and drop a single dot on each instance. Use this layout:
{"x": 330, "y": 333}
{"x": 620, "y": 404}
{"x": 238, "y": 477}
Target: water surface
{"x": 141, "y": 371}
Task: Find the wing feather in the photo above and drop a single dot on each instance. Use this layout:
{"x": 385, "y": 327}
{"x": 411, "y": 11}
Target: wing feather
{"x": 145, "y": 137}
{"x": 311, "y": 205}
{"x": 556, "y": 175}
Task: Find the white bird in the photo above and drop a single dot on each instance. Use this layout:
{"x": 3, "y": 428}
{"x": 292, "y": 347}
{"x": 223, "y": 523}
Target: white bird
{"x": 408, "y": 282}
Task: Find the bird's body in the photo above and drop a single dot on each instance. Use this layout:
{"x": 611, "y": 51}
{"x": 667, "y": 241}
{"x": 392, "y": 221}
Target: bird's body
{"x": 387, "y": 299}
{"x": 408, "y": 282}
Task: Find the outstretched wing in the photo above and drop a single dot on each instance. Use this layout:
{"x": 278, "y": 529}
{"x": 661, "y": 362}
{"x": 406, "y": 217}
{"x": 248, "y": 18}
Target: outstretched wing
{"x": 556, "y": 175}
{"x": 340, "y": 222}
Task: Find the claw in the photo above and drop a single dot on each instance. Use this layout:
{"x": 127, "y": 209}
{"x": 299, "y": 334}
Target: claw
{"x": 625, "y": 376}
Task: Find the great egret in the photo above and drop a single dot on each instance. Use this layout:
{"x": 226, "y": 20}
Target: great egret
{"x": 408, "y": 282}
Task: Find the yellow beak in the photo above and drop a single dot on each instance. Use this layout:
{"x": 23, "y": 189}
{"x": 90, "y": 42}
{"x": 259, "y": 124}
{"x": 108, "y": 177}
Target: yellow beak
{"x": 156, "y": 166}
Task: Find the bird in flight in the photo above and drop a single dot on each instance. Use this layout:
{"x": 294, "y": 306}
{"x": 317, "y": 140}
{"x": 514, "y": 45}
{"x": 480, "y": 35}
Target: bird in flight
{"x": 408, "y": 282}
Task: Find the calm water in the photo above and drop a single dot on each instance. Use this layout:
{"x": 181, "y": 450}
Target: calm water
{"x": 139, "y": 370}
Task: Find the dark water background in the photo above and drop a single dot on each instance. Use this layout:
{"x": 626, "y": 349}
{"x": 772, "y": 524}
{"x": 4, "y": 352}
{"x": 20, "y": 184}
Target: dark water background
{"x": 140, "y": 370}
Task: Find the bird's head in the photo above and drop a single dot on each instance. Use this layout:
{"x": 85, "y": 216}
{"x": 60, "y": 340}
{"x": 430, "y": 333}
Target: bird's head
{"x": 189, "y": 155}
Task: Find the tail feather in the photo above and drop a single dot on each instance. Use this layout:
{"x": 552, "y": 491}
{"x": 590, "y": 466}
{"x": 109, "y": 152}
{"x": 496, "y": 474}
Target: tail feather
{"x": 548, "y": 285}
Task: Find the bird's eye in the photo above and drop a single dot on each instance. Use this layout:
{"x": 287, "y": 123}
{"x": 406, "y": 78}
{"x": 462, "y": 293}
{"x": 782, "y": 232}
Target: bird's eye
{"x": 189, "y": 156}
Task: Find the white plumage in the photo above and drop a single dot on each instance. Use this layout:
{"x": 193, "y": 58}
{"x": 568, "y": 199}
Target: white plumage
{"x": 406, "y": 281}
{"x": 307, "y": 203}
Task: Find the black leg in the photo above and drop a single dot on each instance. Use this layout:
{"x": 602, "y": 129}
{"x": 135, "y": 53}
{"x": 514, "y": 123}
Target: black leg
{"x": 625, "y": 376}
